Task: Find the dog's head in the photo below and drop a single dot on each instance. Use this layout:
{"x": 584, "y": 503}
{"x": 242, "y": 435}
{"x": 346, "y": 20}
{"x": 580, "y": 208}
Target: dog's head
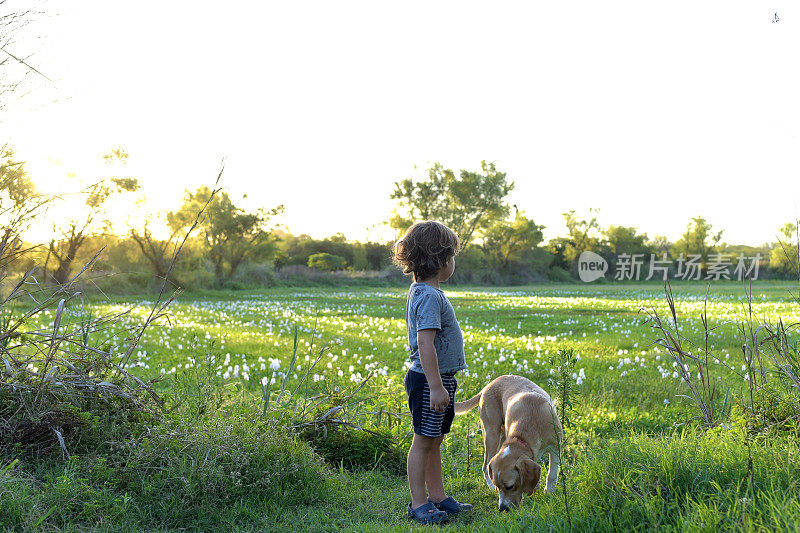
{"x": 513, "y": 474}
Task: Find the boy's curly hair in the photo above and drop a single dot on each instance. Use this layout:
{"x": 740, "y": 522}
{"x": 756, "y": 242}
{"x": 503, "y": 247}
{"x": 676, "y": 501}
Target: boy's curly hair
{"x": 425, "y": 248}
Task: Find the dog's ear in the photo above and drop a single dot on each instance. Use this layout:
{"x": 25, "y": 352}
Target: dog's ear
{"x": 529, "y": 473}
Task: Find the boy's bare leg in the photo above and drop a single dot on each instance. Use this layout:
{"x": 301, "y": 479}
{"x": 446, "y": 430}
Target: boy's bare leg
{"x": 433, "y": 471}
{"x": 417, "y": 466}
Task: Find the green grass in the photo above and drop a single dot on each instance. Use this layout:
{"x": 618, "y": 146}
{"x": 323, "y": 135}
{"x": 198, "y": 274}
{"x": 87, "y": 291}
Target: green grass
{"x": 637, "y": 461}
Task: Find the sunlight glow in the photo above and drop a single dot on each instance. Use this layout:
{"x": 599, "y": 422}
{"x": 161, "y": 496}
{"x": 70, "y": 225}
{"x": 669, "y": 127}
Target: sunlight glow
{"x": 653, "y": 113}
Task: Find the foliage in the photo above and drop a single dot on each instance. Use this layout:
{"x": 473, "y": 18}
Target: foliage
{"x": 505, "y": 241}
{"x": 558, "y": 275}
{"x": 253, "y": 275}
{"x": 158, "y": 252}
{"x": 693, "y": 368}
{"x": 774, "y": 409}
{"x": 54, "y": 380}
{"x": 231, "y": 234}
{"x": 627, "y": 240}
{"x": 19, "y": 203}
{"x": 326, "y": 261}
{"x": 784, "y": 257}
{"x": 699, "y": 238}
{"x": 468, "y": 204}
{"x": 299, "y": 248}
{"x": 659, "y": 245}
{"x": 87, "y": 219}
{"x": 634, "y": 462}
{"x": 583, "y": 234}
{"x": 338, "y": 420}
{"x": 173, "y": 475}
{"x": 15, "y": 183}
{"x": 356, "y": 450}
{"x": 561, "y": 383}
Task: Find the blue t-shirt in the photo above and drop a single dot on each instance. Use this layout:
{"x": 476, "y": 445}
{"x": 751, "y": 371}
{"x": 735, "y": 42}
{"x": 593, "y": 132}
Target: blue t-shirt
{"x": 428, "y": 308}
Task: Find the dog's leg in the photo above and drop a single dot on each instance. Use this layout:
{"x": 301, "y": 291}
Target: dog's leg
{"x": 491, "y": 443}
{"x": 486, "y": 456}
{"x": 552, "y": 472}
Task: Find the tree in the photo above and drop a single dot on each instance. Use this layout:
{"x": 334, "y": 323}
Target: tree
{"x": 337, "y": 238}
{"x": 558, "y": 247}
{"x": 230, "y": 233}
{"x": 279, "y": 259}
{"x": 17, "y": 187}
{"x": 326, "y": 261}
{"x": 378, "y": 255}
{"x": 626, "y": 240}
{"x": 583, "y": 234}
{"x": 90, "y": 218}
{"x": 158, "y": 252}
{"x": 467, "y": 204}
{"x": 18, "y": 204}
{"x": 299, "y": 248}
{"x": 784, "y": 257}
{"x": 699, "y": 238}
{"x": 660, "y": 245}
{"x": 509, "y": 240}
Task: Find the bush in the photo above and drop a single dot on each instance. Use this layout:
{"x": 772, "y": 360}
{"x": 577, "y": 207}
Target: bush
{"x": 195, "y": 476}
{"x": 558, "y": 274}
{"x": 357, "y": 450}
{"x": 774, "y": 408}
{"x": 253, "y": 275}
{"x": 55, "y": 387}
{"x": 241, "y": 459}
{"x": 326, "y": 261}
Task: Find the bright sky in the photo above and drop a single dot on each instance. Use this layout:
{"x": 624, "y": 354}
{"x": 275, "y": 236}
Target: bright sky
{"x": 652, "y": 111}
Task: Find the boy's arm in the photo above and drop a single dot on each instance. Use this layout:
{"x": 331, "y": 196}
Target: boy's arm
{"x": 430, "y": 365}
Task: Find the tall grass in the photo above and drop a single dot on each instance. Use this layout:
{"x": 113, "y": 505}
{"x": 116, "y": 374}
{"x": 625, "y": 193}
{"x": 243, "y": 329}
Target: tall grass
{"x": 770, "y": 357}
{"x": 693, "y": 361}
{"x": 53, "y": 379}
{"x": 770, "y": 369}
{"x": 351, "y": 426}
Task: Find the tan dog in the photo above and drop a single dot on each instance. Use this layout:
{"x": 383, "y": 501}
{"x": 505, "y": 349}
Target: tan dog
{"x": 520, "y": 425}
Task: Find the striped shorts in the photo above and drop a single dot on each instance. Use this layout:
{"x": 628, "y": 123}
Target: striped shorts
{"x": 427, "y": 422}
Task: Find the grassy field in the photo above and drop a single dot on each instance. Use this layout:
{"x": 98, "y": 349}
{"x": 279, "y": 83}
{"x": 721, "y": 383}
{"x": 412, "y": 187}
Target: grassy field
{"x": 636, "y": 459}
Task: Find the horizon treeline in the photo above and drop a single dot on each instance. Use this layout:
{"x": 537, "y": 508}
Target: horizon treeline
{"x": 232, "y": 247}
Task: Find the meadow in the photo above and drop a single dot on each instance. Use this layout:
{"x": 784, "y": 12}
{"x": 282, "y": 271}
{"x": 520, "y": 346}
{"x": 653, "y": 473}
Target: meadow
{"x": 637, "y": 457}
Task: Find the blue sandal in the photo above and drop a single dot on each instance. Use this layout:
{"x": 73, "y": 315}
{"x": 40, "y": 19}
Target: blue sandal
{"x": 426, "y": 514}
{"x": 451, "y": 506}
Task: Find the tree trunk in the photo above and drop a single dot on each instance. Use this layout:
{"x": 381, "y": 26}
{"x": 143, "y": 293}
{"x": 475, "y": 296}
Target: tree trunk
{"x": 155, "y": 255}
{"x": 219, "y": 276}
{"x": 61, "y": 274}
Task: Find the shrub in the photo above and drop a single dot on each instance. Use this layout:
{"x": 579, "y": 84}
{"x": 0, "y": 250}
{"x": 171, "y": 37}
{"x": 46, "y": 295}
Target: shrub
{"x": 558, "y": 274}
{"x": 345, "y": 423}
{"x": 253, "y": 275}
{"x": 774, "y": 408}
{"x": 54, "y": 385}
{"x": 217, "y": 463}
{"x": 193, "y": 476}
{"x": 326, "y": 261}
{"x": 357, "y": 449}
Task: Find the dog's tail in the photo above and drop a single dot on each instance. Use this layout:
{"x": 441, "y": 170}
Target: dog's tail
{"x": 466, "y": 405}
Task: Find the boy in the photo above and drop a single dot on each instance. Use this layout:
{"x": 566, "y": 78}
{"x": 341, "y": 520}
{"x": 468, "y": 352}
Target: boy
{"x": 427, "y": 251}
